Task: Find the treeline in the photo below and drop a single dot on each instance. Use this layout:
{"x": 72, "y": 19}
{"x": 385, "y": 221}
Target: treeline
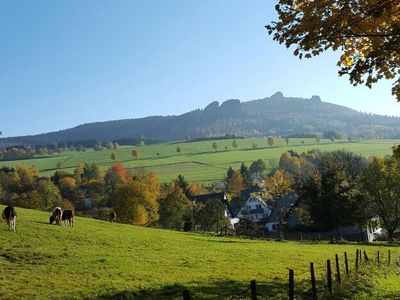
{"x": 339, "y": 189}
{"x": 138, "y": 198}
{"x": 22, "y": 152}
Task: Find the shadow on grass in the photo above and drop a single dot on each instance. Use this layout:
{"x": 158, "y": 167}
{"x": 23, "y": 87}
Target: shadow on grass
{"x": 41, "y": 222}
{"x": 214, "y": 290}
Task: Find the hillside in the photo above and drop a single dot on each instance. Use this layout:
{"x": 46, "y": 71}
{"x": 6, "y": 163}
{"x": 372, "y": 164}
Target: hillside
{"x": 276, "y": 115}
{"x": 197, "y": 161}
{"x": 96, "y": 259}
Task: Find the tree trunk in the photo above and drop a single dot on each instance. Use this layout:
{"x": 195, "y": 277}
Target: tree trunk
{"x": 390, "y": 235}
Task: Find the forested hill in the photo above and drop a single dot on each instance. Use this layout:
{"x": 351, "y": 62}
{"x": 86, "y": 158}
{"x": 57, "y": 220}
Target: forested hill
{"x": 276, "y": 115}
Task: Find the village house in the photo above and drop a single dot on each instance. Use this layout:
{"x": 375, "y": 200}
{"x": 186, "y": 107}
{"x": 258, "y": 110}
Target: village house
{"x": 282, "y": 212}
{"x": 255, "y": 209}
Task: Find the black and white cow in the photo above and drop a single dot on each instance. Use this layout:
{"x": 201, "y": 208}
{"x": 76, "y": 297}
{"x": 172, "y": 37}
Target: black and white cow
{"x": 10, "y": 216}
{"x": 56, "y": 215}
{"x": 113, "y": 217}
{"x": 68, "y": 217}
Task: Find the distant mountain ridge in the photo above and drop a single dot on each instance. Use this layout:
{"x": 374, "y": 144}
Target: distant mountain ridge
{"x": 276, "y": 115}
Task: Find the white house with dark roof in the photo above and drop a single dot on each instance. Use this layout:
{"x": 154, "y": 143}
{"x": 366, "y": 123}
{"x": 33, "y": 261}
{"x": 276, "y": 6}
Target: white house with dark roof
{"x": 255, "y": 209}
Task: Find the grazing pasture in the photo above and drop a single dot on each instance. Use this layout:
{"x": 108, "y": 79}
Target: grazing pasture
{"x": 198, "y": 161}
{"x": 96, "y": 259}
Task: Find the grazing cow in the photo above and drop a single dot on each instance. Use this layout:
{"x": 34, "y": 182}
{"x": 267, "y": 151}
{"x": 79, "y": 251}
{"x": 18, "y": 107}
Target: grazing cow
{"x": 68, "y": 217}
{"x": 113, "y": 217}
{"x": 56, "y": 215}
{"x": 10, "y": 216}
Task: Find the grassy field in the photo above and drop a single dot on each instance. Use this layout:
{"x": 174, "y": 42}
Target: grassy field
{"x": 96, "y": 259}
{"x": 197, "y": 161}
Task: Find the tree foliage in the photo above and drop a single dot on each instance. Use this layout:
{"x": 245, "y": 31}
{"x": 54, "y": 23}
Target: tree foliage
{"x": 381, "y": 181}
{"x": 236, "y": 183}
{"x": 174, "y": 208}
{"x": 367, "y": 32}
{"x": 135, "y": 200}
{"x": 270, "y": 141}
{"x": 135, "y": 153}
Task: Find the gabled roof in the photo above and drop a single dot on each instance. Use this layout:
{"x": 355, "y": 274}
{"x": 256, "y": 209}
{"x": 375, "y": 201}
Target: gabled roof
{"x": 244, "y": 210}
{"x": 281, "y": 207}
{"x": 245, "y": 193}
{"x": 207, "y": 197}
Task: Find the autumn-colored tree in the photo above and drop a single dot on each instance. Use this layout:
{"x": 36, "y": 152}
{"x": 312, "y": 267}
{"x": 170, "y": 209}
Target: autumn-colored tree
{"x": 135, "y": 200}
{"x": 279, "y": 184}
{"x": 234, "y": 144}
{"x": 290, "y": 164}
{"x": 12, "y": 182}
{"x": 236, "y": 184}
{"x": 194, "y": 189}
{"x": 113, "y": 156}
{"x": 109, "y": 145}
{"x": 215, "y": 146}
{"x": 365, "y": 31}
{"x": 67, "y": 186}
{"x": 270, "y": 141}
{"x": 28, "y": 176}
{"x": 135, "y": 153}
{"x": 120, "y": 170}
{"x": 78, "y": 171}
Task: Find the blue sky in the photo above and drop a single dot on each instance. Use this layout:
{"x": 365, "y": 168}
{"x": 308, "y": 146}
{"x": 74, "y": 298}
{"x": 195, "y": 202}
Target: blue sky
{"x": 68, "y": 62}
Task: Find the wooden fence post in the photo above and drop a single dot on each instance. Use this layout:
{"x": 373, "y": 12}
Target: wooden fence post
{"x": 360, "y": 258}
{"x": 378, "y": 258}
{"x": 366, "y": 257}
{"x": 253, "y": 287}
{"x": 357, "y": 259}
{"x": 329, "y": 275}
{"x": 313, "y": 283}
{"x": 186, "y": 295}
{"x": 291, "y": 284}
{"x": 346, "y": 263}
{"x": 389, "y": 256}
{"x": 337, "y": 269}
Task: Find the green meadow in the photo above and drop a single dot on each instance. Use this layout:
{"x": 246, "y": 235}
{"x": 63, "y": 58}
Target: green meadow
{"x": 197, "y": 161}
{"x": 96, "y": 259}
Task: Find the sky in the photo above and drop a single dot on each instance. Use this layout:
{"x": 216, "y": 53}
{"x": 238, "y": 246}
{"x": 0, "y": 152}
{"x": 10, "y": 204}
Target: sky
{"x": 69, "y": 62}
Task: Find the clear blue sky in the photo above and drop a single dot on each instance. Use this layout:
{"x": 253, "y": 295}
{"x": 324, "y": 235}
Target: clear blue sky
{"x": 68, "y": 62}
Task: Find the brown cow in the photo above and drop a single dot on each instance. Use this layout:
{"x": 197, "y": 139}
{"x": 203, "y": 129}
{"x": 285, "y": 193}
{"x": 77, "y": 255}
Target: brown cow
{"x": 68, "y": 217}
{"x": 113, "y": 217}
